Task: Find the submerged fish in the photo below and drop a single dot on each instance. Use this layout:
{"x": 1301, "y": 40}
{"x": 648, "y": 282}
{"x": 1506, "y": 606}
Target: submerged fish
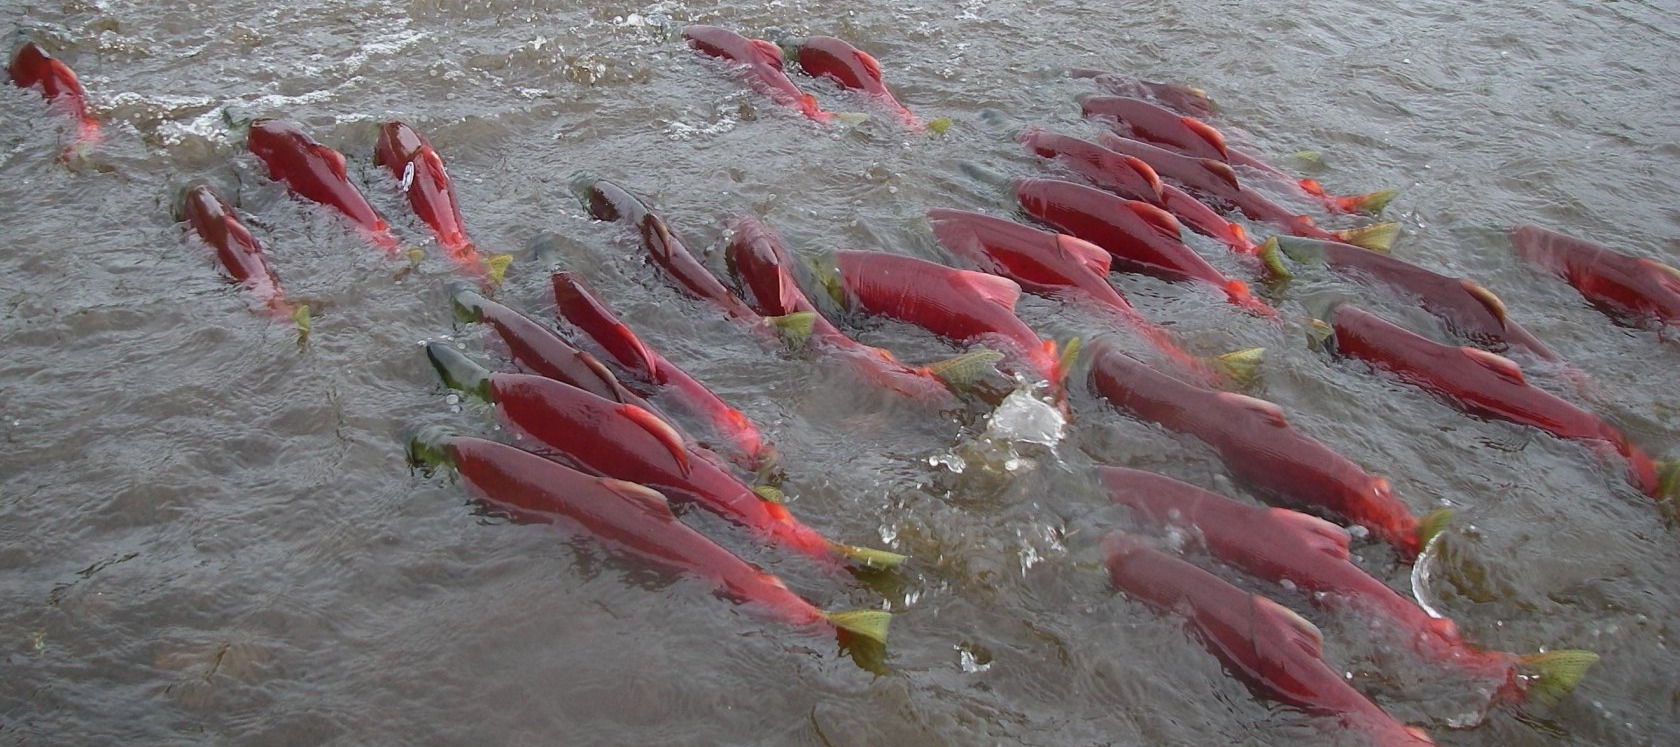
{"x": 32, "y": 67}
{"x": 1141, "y": 237}
{"x": 1633, "y": 289}
{"x": 610, "y": 202}
{"x": 1486, "y": 385}
{"x": 1276, "y": 652}
{"x": 627, "y": 442}
{"x": 969, "y": 307}
{"x": 316, "y": 173}
{"x": 758, "y": 258}
{"x": 1311, "y": 554}
{"x": 239, "y": 253}
{"x": 419, "y": 170}
{"x": 629, "y": 516}
{"x": 1187, "y": 100}
{"x": 1199, "y": 139}
{"x": 647, "y": 372}
{"x": 1214, "y": 180}
{"x": 1260, "y": 448}
{"x": 852, "y": 68}
{"x": 1468, "y": 309}
{"x": 761, "y": 63}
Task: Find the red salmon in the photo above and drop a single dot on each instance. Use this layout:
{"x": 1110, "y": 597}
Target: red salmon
{"x": 1141, "y": 237}
{"x": 761, "y": 63}
{"x": 316, "y": 173}
{"x": 1311, "y": 554}
{"x": 1483, "y": 384}
{"x": 1633, "y": 289}
{"x": 239, "y": 253}
{"x": 1276, "y": 652}
{"x": 1187, "y": 100}
{"x": 419, "y": 170}
{"x": 32, "y": 67}
{"x": 852, "y": 68}
{"x": 1259, "y": 447}
{"x": 627, "y": 516}
{"x": 625, "y": 441}
{"x": 968, "y": 307}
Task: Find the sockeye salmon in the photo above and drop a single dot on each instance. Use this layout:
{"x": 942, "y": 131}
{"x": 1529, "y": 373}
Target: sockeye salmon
{"x": 647, "y": 372}
{"x": 419, "y": 171}
{"x": 631, "y": 517}
{"x": 32, "y": 67}
{"x": 1141, "y": 237}
{"x": 968, "y": 307}
{"x": 1483, "y": 384}
{"x": 1053, "y": 264}
{"x": 1199, "y": 139}
{"x": 1311, "y": 554}
{"x": 1260, "y": 448}
{"x": 852, "y": 68}
{"x": 316, "y": 173}
{"x": 1214, "y": 180}
{"x": 239, "y": 253}
{"x": 761, "y": 63}
{"x": 757, "y": 257}
{"x": 1632, "y": 289}
{"x": 609, "y": 202}
{"x": 1274, "y": 651}
{"x": 625, "y": 441}
{"x": 1187, "y": 100}
{"x": 1131, "y": 178}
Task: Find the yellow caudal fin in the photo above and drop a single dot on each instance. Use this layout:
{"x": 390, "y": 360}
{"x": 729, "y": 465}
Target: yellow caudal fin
{"x": 963, "y": 371}
{"x": 795, "y": 328}
{"x": 1377, "y": 238}
{"x": 870, "y": 624}
{"x": 1555, "y": 673}
{"x": 868, "y": 557}
{"x": 1431, "y": 526}
{"x": 1240, "y": 367}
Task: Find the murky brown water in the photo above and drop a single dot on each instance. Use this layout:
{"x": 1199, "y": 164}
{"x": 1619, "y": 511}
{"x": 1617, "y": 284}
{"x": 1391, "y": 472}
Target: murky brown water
{"x": 209, "y": 535}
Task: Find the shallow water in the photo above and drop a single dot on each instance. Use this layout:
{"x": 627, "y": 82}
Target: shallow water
{"x": 209, "y": 534}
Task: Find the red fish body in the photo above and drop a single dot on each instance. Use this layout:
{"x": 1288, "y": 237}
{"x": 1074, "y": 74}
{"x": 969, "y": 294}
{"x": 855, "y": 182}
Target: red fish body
{"x": 32, "y": 67}
{"x": 625, "y": 515}
{"x": 1259, "y": 447}
{"x": 969, "y": 307}
{"x": 539, "y": 350}
{"x": 419, "y": 170}
{"x": 1131, "y": 178}
{"x": 610, "y": 202}
{"x": 1631, "y": 288}
{"x": 1186, "y": 100}
{"x": 1141, "y": 237}
{"x": 1049, "y": 264}
{"x": 316, "y": 173}
{"x": 852, "y": 68}
{"x": 648, "y": 372}
{"x": 239, "y": 253}
{"x": 1285, "y": 546}
{"x": 1481, "y": 383}
{"x": 1273, "y": 650}
{"x": 762, "y": 67}
{"x": 1468, "y": 309}
{"x": 761, "y": 262}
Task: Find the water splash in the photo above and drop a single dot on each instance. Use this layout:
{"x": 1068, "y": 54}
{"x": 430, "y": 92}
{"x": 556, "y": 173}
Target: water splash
{"x": 1025, "y": 418}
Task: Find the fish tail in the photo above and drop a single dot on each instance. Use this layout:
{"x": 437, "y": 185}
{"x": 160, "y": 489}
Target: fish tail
{"x": 962, "y": 371}
{"x": 1239, "y": 367}
{"x": 1431, "y": 525}
{"x": 870, "y": 624}
{"x": 1554, "y": 673}
{"x": 459, "y": 372}
{"x": 1272, "y": 258}
{"x": 1370, "y": 202}
{"x": 794, "y": 329}
{"x": 1668, "y": 481}
{"x": 866, "y": 556}
{"x": 428, "y": 448}
{"x": 937, "y": 126}
{"x": 300, "y": 315}
{"x": 1377, "y": 238}
{"x": 494, "y": 266}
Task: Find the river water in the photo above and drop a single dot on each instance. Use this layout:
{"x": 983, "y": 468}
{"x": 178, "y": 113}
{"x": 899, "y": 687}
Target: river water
{"x": 209, "y": 533}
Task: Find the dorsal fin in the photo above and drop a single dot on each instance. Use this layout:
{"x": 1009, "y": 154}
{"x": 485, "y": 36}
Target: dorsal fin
{"x": 1498, "y": 364}
{"x": 999, "y": 290}
{"x": 1491, "y": 302}
{"x": 1206, "y": 132}
{"x": 1269, "y": 410}
{"x": 768, "y": 51}
{"x": 1309, "y": 637}
{"x": 661, "y": 431}
{"x": 605, "y": 376}
{"x": 646, "y": 498}
{"x": 1158, "y": 219}
{"x": 334, "y": 159}
{"x": 1223, "y": 171}
{"x": 1145, "y": 171}
{"x": 1093, "y": 257}
{"x": 870, "y": 66}
{"x": 1318, "y": 534}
